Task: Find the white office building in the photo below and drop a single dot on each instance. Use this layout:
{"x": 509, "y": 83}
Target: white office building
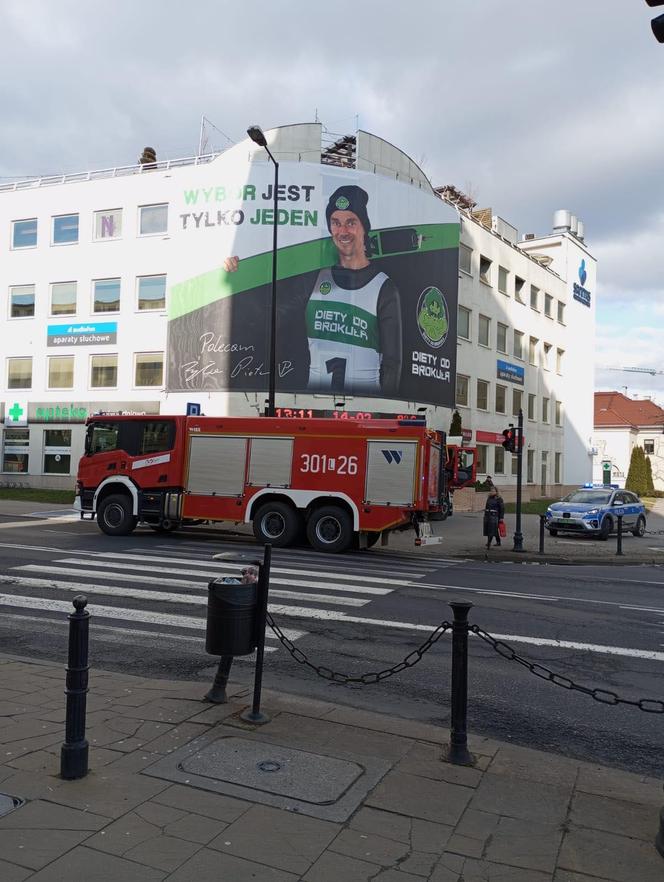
{"x": 85, "y": 264}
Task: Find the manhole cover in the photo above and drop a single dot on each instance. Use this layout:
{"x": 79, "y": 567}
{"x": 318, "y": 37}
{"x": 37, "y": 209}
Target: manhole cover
{"x": 297, "y": 774}
{"x": 9, "y": 803}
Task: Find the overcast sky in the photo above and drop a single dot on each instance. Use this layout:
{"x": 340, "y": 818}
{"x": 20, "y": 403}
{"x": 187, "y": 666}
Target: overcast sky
{"x": 530, "y": 106}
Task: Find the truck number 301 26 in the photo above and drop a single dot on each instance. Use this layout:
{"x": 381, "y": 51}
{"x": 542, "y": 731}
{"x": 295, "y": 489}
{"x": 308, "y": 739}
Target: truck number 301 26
{"x": 314, "y": 463}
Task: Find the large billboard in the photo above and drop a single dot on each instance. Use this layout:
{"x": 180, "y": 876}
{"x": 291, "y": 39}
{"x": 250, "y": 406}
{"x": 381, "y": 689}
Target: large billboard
{"x": 366, "y": 295}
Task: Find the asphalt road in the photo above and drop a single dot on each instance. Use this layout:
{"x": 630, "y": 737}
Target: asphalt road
{"x": 601, "y": 626}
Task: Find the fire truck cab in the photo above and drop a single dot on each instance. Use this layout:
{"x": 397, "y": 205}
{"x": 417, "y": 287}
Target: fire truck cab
{"x": 337, "y": 484}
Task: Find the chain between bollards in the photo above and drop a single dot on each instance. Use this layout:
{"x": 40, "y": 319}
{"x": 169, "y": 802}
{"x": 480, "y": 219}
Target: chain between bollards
{"x": 457, "y": 752}
{"x": 74, "y": 752}
{"x": 619, "y": 550}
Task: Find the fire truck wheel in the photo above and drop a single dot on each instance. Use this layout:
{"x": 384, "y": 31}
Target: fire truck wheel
{"x": 114, "y": 515}
{"x": 330, "y": 529}
{"x": 277, "y": 523}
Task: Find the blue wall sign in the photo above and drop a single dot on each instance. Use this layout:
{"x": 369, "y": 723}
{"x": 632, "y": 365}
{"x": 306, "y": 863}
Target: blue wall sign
{"x": 82, "y": 334}
{"x": 510, "y": 372}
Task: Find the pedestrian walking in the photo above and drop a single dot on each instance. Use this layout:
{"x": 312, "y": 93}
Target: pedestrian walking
{"x": 494, "y": 512}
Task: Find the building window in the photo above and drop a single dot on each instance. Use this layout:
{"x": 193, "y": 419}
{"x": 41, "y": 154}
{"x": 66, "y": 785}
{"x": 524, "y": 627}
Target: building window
{"x": 502, "y": 280}
{"x": 548, "y": 305}
{"x": 19, "y": 373}
{"x": 499, "y": 460}
{"x": 501, "y": 393}
{"x": 481, "y": 459}
{"x": 57, "y": 451}
{"x": 63, "y": 298}
{"x": 530, "y": 467}
{"x": 559, "y": 360}
{"x": 501, "y": 338}
{"x": 104, "y": 372}
{"x": 465, "y": 255}
{"x": 108, "y": 224}
{"x": 517, "y": 401}
{"x": 15, "y": 459}
{"x": 463, "y": 324}
{"x": 545, "y": 410}
{"x": 485, "y": 270}
{"x": 518, "y": 289}
{"x": 482, "y": 395}
{"x": 532, "y": 403}
{"x": 561, "y": 312}
{"x": 484, "y": 330}
{"x": 518, "y": 345}
{"x": 546, "y": 356}
{"x": 462, "y": 390}
{"x": 22, "y": 301}
{"x": 24, "y": 233}
{"x": 152, "y": 219}
{"x": 151, "y": 292}
{"x": 649, "y": 447}
{"x": 149, "y": 369}
{"x": 559, "y": 413}
{"x": 65, "y": 229}
{"x": 557, "y": 462}
{"x": 534, "y": 297}
{"x": 532, "y": 350}
{"x": 61, "y": 372}
{"x": 106, "y": 293}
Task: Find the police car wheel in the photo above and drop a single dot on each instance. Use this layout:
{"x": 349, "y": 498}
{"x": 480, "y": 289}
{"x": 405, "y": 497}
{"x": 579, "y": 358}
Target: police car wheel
{"x": 114, "y": 515}
{"x": 606, "y": 529}
{"x": 640, "y": 528}
{"x": 552, "y": 531}
{"x": 330, "y": 529}
{"x": 277, "y": 523}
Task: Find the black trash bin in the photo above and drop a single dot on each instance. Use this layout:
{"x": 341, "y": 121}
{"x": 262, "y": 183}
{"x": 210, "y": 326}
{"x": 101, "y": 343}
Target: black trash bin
{"x": 231, "y": 618}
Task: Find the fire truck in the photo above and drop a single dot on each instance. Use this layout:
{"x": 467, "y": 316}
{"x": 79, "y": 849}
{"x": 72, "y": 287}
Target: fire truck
{"x": 336, "y": 484}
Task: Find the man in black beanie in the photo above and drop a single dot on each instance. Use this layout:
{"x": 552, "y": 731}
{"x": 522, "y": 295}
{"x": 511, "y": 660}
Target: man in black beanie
{"x": 353, "y": 315}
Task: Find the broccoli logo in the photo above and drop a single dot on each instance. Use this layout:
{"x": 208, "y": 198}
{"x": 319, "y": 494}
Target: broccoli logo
{"x": 325, "y": 287}
{"x": 432, "y": 317}
{"x": 342, "y": 203}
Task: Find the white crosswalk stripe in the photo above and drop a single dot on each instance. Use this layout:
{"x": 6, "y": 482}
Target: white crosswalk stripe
{"x": 132, "y": 589}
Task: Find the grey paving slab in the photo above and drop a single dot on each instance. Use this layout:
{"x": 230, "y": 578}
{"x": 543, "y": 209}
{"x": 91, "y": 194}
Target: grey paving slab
{"x": 162, "y": 815}
{"x": 380, "y": 823}
{"x": 369, "y": 847}
{"x": 426, "y": 761}
{"x": 212, "y": 866}
{"x": 485, "y": 871}
{"x": 125, "y": 763}
{"x": 109, "y": 792}
{"x": 504, "y": 795}
{"x": 201, "y": 802}
{"x": 12, "y": 872}
{"x": 429, "y": 837}
{"x": 473, "y": 833}
{"x": 22, "y": 847}
{"x": 525, "y": 844}
{"x": 419, "y": 863}
{"x": 395, "y": 876}
{"x": 43, "y": 815}
{"x": 195, "y": 828}
{"x": 420, "y": 798}
{"x": 31, "y": 785}
{"x": 333, "y": 867}
{"x": 448, "y": 868}
{"x": 165, "y": 710}
{"x": 614, "y": 816}
{"x": 277, "y": 838}
{"x": 124, "y": 834}
{"x": 174, "y": 738}
{"x": 604, "y": 781}
{"x": 617, "y": 858}
{"x": 565, "y": 876}
{"x": 27, "y": 729}
{"x": 88, "y": 865}
{"x": 533, "y": 765}
{"x": 163, "y": 852}
{"x": 394, "y": 726}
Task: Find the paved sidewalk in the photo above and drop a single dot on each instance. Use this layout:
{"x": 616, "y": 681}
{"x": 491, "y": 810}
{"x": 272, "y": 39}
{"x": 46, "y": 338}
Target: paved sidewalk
{"x": 151, "y": 807}
{"x": 461, "y": 535}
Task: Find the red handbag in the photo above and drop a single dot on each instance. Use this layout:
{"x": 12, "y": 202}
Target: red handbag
{"x": 502, "y": 529}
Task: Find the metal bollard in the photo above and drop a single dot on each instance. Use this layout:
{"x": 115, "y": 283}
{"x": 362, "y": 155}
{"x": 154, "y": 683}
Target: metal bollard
{"x": 255, "y": 715}
{"x": 457, "y": 752}
{"x": 659, "y": 839}
{"x": 619, "y": 550}
{"x": 217, "y": 692}
{"x": 541, "y": 534}
{"x": 74, "y": 752}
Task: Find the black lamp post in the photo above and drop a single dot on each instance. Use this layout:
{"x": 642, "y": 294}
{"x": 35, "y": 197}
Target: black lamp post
{"x": 257, "y": 136}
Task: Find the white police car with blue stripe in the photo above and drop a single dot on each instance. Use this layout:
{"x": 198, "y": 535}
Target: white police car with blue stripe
{"x": 593, "y": 510}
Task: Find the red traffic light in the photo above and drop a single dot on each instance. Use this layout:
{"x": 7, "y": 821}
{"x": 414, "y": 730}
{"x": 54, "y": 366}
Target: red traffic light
{"x": 509, "y": 442}
{"x": 657, "y": 24}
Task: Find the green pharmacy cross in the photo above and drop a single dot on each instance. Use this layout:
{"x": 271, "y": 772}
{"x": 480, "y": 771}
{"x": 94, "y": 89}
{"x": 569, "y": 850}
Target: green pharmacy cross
{"x": 16, "y": 412}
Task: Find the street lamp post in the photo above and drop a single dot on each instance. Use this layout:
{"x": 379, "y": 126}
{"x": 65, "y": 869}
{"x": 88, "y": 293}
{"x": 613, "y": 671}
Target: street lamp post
{"x": 258, "y": 137}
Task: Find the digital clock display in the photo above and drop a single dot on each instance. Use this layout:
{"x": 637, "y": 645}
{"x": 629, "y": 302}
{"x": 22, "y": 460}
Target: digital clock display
{"x": 362, "y": 415}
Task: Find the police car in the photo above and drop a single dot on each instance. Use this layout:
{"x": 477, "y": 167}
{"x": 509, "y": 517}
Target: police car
{"x": 593, "y": 510}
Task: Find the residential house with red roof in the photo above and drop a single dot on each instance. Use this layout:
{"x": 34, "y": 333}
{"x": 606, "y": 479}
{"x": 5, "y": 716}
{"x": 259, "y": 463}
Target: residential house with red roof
{"x": 622, "y": 423}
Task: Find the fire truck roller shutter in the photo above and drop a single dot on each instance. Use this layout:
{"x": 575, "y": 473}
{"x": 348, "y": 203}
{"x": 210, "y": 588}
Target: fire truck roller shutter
{"x": 270, "y": 462}
{"x": 217, "y": 465}
{"x": 391, "y": 472}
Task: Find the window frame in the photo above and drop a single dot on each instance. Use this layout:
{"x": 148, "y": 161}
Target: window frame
{"x": 487, "y": 321}
{"x": 500, "y": 386}
{"x": 106, "y": 211}
{"x": 498, "y": 467}
{"x": 651, "y": 443}
{"x": 49, "y": 359}
{"x": 463, "y": 248}
{"x": 94, "y": 282}
{"x": 164, "y": 232}
{"x": 137, "y": 303}
{"x": 532, "y": 350}
{"x": 519, "y": 285}
{"x": 532, "y": 411}
{"x": 14, "y": 318}
{"x": 520, "y": 335}
{"x": 14, "y": 358}
{"x": 548, "y": 305}
{"x": 456, "y": 390}
{"x": 15, "y": 448}
{"x": 94, "y": 355}
{"x": 503, "y": 273}
{"x": 56, "y": 217}
{"x": 505, "y": 350}
{"x": 465, "y": 309}
{"x": 558, "y": 413}
{"x": 546, "y": 401}
{"x": 23, "y": 220}
{"x": 135, "y": 367}
{"x": 50, "y": 299}
{"x": 561, "y": 312}
{"x": 534, "y": 297}
{"x": 487, "y": 384}
{"x": 485, "y": 277}
{"x": 55, "y": 450}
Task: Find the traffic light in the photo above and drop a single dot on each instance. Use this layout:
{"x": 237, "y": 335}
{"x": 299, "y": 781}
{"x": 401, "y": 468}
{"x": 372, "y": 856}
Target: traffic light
{"x": 509, "y": 440}
{"x": 657, "y": 24}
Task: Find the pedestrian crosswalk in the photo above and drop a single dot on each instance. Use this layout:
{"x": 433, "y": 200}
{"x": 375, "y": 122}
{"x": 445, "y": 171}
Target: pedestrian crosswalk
{"x": 161, "y": 589}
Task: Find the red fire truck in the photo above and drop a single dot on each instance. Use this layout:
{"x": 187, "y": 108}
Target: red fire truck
{"x": 337, "y": 483}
